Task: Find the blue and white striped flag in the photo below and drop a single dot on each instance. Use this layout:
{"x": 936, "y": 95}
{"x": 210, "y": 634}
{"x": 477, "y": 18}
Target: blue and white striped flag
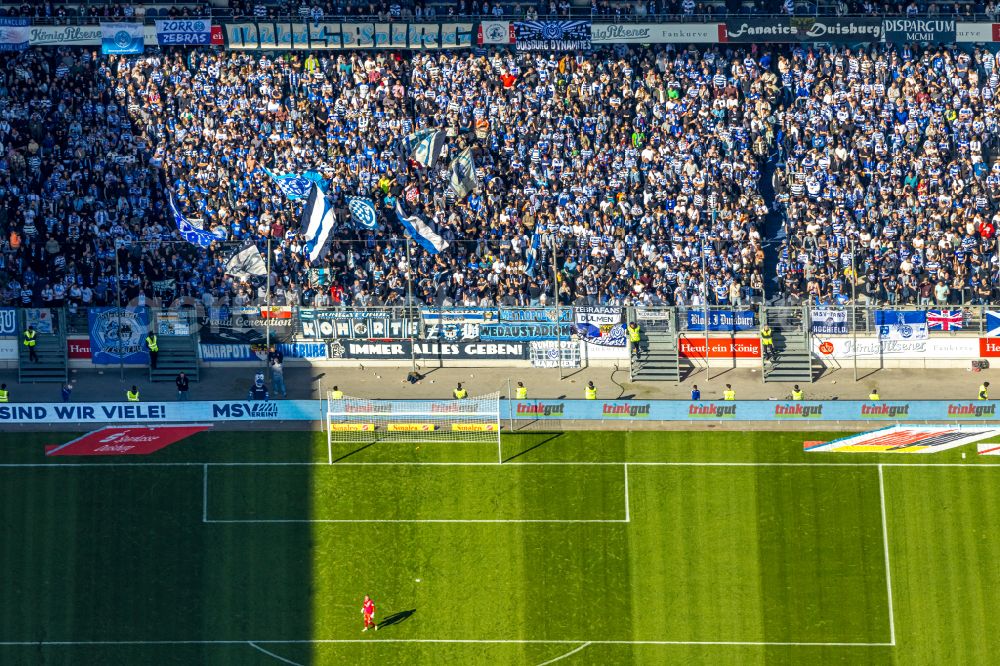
{"x": 463, "y": 174}
{"x": 424, "y": 146}
{"x": 363, "y": 212}
{"x": 190, "y": 232}
{"x": 421, "y": 230}
{"x": 318, "y": 222}
{"x": 292, "y": 184}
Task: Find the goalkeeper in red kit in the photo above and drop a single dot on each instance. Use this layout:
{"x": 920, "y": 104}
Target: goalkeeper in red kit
{"x": 368, "y": 611}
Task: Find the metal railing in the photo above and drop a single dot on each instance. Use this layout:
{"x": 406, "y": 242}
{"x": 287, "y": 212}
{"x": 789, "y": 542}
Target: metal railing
{"x": 720, "y": 14}
{"x": 404, "y": 322}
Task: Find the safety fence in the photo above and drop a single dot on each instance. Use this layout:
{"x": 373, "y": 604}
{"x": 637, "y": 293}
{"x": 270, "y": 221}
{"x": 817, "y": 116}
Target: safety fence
{"x": 546, "y": 336}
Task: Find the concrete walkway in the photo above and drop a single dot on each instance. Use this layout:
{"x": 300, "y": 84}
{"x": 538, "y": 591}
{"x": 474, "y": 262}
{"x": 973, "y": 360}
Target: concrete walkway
{"x": 385, "y": 382}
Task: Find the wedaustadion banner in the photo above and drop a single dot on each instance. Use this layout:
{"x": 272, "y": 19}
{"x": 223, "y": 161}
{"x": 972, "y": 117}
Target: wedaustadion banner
{"x": 529, "y": 324}
{"x": 803, "y": 29}
{"x": 118, "y": 335}
{"x": 276, "y": 35}
{"x": 522, "y": 410}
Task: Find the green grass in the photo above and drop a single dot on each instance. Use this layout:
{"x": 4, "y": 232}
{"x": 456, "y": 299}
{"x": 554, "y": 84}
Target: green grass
{"x": 762, "y": 556}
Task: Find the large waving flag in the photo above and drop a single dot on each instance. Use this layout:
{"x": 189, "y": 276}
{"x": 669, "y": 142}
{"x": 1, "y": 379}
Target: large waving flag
{"x": 421, "y": 230}
{"x": 463, "y": 174}
{"x": 247, "y": 264}
{"x": 189, "y": 231}
{"x": 294, "y": 186}
{"x": 363, "y": 212}
{"x": 318, "y": 222}
{"x": 424, "y": 146}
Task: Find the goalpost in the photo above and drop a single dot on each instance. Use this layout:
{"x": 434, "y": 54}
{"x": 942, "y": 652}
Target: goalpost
{"x": 353, "y": 420}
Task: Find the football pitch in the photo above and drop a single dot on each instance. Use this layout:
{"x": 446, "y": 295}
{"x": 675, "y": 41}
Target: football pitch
{"x": 583, "y": 548}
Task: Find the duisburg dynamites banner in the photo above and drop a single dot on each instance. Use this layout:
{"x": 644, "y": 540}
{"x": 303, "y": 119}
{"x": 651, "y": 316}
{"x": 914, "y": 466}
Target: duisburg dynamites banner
{"x": 552, "y": 35}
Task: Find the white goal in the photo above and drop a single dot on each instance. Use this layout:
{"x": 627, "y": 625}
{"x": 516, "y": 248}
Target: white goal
{"x": 366, "y": 421}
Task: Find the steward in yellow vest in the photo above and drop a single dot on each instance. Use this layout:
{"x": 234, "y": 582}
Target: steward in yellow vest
{"x": 522, "y": 391}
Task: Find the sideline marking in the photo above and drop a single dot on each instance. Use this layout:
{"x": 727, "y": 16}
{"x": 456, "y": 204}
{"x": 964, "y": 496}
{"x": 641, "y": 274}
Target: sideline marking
{"x": 55, "y": 465}
{"x": 563, "y": 656}
{"x": 271, "y": 654}
{"x": 885, "y": 546}
{"x": 469, "y": 641}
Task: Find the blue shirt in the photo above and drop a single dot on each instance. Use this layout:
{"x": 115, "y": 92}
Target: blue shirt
{"x": 695, "y": 394}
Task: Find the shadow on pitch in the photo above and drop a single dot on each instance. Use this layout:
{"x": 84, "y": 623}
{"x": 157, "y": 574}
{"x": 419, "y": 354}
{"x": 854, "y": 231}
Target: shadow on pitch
{"x": 355, "y": 451}
{"x": 396, "y": 618}
{"x": 552, "y": 436}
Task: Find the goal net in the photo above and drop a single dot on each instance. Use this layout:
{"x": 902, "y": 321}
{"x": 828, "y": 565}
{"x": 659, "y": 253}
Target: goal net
{"x": 366, "y": 421}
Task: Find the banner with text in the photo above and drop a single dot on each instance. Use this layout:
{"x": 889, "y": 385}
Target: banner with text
{"x": 402, "y": 350}
{"x": 827, "y": 321}
{"x": 905, "y": 30}
{"x": 654, "y": 33}
{"x": 600, "y": 325}
{"x": 15, "y": 34}
{"x": 784, "y": 29}
{"x": 455, "y": 324}
{"x": 552, "y": 35}
{"x": 277, "y": 35}
{"x": 118, "y": 335}
{"x": 721, "y": 320}
{"x": 356, "y": 324}
{"x": 181, "y": 32}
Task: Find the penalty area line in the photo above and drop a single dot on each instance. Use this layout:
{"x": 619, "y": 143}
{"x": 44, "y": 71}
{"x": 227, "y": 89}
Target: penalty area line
{"x": 271, "y": 654}
{"x": 564, "y": 655}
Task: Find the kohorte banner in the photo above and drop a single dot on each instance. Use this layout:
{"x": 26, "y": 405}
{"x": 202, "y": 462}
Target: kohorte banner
{"x": 375, "y": 324}
{"x": 802, "y": 29}
{"x": 283, "y": 35}
{"x": 654, "y": 33}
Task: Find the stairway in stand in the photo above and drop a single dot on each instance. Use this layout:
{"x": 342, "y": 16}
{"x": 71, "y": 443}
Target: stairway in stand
{"x": 793, "y": 354}
{"x": 178, "y": 353}
{"x": 660, "y": 360}
{"x": 53, "y": 362}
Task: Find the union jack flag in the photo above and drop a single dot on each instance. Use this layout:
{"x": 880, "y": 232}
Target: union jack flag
{"x": 944, "y": 320}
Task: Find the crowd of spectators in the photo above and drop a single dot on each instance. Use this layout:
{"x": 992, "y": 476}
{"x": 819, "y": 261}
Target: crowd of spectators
{"x": 625, "y": 176}
{"x": 890, "y": 179}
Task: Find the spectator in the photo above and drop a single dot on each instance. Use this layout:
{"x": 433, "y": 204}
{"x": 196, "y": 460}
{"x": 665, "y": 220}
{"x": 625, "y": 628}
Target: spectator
{"x": 183, "y": 384}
